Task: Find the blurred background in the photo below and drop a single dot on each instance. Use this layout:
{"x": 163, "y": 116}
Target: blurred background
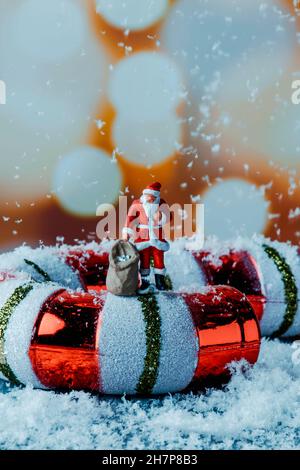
{"x": 105, "y": 96}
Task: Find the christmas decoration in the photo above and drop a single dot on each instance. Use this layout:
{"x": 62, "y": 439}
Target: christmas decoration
{"x": 73, "y": 267}
{"x": 54, "y": 338}
{"x": 267, "y": 272}
{"x": 144, "y": 225}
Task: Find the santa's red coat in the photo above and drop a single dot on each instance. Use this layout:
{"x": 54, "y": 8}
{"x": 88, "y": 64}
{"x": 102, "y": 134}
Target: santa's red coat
{"x": 144, "y": 224}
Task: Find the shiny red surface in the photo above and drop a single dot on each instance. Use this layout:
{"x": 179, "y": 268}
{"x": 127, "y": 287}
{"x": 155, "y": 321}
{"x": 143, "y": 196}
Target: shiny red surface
{"x": 91, "y": 266}
{"x": 64, "y": 349}
{"x": 65, "y": 352}
{"x": 227, "y": 330}
{"x": 236, "y": 269}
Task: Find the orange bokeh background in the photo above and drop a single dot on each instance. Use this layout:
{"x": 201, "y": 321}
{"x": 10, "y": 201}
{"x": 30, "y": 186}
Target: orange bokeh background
{"x": 47, "y": 219}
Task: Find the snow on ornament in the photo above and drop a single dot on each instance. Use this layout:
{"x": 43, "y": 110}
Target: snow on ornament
{"x": 41, "y": 264}
{"x": 267, "y": 272}
{"x": 57, "y": 339}
{"x": 86, "y": 178}
{"x": 132, "y": 15}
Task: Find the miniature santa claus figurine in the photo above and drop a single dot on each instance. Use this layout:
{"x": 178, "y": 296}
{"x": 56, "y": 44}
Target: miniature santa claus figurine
{"x": 144, "y": 226}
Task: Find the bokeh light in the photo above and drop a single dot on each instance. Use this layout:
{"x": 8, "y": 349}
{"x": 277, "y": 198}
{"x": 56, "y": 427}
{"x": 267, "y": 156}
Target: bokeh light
{"x": 193, "y": 93}
{"x": 231, "y": 53}
{"x": 234, "y": 207}
{"x": 50, "y": 31}
{"x": 53, "y": 90}
{"x": 147, "y": 142}
{"x": 132, "y": 14}
{"x": 86, "y": 178}
{"x": 146, "y": 85}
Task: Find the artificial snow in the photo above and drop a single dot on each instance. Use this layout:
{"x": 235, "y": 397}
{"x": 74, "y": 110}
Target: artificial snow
{"x": 271, "y": 279}
{"x": 179, "y": 344}
{"x": 122, "y": 344}
{"x": 185, "y": 273}
{"x": 47, "y": 258}
{"x": 19, "y": 332}
{"x": 257, "y": 410}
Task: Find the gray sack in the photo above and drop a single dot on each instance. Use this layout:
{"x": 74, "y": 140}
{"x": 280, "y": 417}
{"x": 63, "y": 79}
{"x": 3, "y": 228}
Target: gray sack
{"x": 123, "y": 273}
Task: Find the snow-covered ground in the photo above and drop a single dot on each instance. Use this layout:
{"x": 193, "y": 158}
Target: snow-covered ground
{"x": 257, "y": 410}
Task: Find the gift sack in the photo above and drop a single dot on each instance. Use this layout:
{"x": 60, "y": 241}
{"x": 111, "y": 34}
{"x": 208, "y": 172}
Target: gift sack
{"x": 123, "y": 272}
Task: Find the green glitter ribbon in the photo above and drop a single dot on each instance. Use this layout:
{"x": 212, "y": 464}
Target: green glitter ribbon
{"x": 39, "y": 270}
{"x": 290, "y": 289}
{"x": 150, "y": 310}
{"x": 6, "y": 311}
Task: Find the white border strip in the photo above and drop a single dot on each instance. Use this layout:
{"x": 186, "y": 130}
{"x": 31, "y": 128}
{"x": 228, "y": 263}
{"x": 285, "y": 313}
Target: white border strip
{"x": 122, "y": 344}
{"x": 179, "y": 345}
{"x": 18, "y": 334}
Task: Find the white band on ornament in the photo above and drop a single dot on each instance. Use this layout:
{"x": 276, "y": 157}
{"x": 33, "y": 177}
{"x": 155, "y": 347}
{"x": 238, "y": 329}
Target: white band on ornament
{"x": 179, "y": 345}
{"x": 19, "y": 332}
{"x": 122, "y": 348}
{"x": 273, "y": 290}
{"x": 47, "y": 259}
{"x": 185, "y": 273}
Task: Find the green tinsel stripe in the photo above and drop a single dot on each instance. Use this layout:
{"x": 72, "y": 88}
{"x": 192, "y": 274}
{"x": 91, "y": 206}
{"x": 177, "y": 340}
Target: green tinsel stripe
{"x": 38, "y": 269}
{"x": 6, "y": 311}
{"x": 151, "y": 313}
{"x": 290, "y": 289}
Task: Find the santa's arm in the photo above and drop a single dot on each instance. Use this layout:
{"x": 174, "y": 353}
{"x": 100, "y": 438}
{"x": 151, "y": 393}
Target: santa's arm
{"x": 131, "y": 222}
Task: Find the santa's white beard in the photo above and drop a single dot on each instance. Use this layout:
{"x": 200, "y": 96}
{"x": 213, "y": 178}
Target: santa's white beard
{"x": 150, "y": 209}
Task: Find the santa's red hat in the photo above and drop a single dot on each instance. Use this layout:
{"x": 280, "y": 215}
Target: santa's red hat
{"x": 153, "y": 189}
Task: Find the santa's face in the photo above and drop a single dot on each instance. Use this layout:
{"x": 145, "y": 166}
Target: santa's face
{"x": 149, "y": 198}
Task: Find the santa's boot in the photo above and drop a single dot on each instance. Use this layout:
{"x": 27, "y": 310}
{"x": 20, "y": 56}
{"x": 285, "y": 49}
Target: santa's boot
{"x": 160, "y": 281}
{"x": 145, "y": 286}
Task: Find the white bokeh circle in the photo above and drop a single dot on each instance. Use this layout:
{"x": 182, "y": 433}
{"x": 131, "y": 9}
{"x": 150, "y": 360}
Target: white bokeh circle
{"x": 268, "y": 127}
{"x": 232, "y": 53}
{"x": 146, "y": 85}
{"x": 234, "y": 207}
{"x": 147, "y": 142}
{"x": 86, "y": 178}
{"x": 51, "y": 96}
{"x": 132, "y": 14}
{"x": 50, "y": 104}
{"x": 50, "y": 30}
{"x": 212, "y": 36}
{"x": 280, "y": 136}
